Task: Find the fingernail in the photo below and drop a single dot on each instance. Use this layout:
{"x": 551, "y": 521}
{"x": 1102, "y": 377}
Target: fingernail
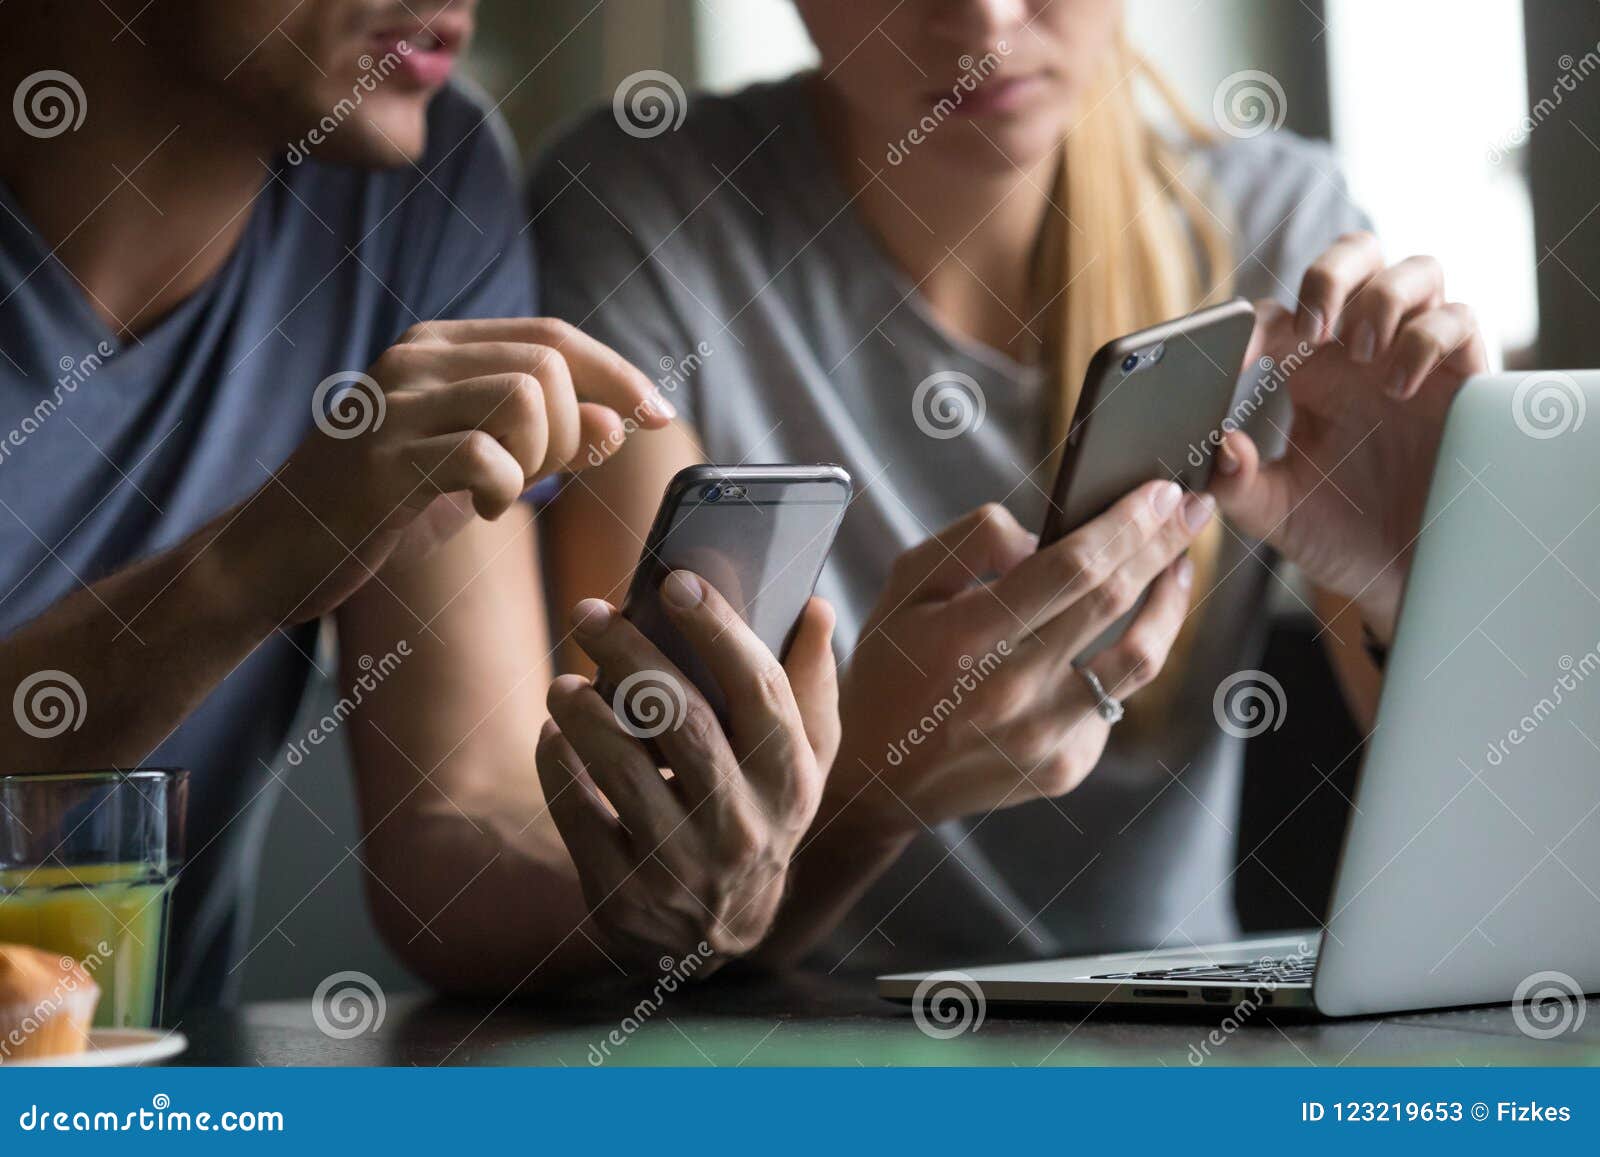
{"x": 1185, "y": 573}
{"x": 1309, "y": 324}
{"x": 1165, "y": 500}
{"x": 660, "y": 405}
{"x": 682, "y": 590}
{"x": 1227, "y": 460}
{"x": 1365, "y": 342}
{"x": 591, "y": 617}
{"x": 1197, "y": 511}
{"x": 1397, "y": 383}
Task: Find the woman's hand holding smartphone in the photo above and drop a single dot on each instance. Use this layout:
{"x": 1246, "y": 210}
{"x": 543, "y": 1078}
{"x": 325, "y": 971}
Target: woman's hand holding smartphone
{"x": 961, "y": 696}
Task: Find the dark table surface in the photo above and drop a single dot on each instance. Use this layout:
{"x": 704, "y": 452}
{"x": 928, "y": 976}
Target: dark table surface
{"x": 830, "y": 1020}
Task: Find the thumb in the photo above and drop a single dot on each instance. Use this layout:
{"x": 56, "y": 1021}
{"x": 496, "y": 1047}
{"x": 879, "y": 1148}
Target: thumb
{"x": 814, "y": 677}
{"x": 1255, "y": 496}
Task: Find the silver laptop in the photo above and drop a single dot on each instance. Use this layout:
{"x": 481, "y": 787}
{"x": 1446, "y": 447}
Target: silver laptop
{"x": 1470, "y": 872}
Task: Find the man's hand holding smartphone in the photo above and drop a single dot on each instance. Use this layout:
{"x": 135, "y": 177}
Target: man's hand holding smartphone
{"x": 700, "y": 858}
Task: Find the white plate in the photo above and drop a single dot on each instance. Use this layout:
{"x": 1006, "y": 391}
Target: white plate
{"x": 115, "y": 1048}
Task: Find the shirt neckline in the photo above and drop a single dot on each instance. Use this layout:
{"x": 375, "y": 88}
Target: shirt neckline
{"x": 69, "y": 301}
{"x": 831, "y": 200}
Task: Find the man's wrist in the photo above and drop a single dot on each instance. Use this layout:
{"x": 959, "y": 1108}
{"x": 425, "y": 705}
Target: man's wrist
{"x": 862, "y": 816}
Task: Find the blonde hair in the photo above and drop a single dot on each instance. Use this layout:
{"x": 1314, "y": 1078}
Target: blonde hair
{"x": 1136, "y": 246}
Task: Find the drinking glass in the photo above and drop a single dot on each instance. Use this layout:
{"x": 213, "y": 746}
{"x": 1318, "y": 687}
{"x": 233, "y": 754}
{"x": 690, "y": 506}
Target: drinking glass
{"x": 87, "y": 864}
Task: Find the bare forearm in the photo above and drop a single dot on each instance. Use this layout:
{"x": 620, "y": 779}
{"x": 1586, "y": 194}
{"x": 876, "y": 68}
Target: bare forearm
{"x": 842, "y": 856}
{"x": 478, "y": 912}
{"x": 105, "y": 675}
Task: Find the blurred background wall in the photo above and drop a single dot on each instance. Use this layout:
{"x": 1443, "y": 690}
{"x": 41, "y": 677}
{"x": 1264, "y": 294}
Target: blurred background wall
{"x": 1431, "y": 104}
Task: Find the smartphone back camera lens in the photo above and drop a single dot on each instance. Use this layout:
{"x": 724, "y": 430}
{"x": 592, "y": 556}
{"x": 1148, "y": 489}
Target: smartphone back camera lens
{"x": 1130, "y": 363}
{"x": 712, "y": 492}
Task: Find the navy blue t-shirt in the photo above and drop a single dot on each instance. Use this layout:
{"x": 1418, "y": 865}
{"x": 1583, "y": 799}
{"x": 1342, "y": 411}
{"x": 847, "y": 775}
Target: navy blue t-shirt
{"x": 112, "y": 450}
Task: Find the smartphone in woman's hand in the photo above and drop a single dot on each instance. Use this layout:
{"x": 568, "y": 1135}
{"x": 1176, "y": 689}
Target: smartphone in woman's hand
{"x": 1155, "y": 404}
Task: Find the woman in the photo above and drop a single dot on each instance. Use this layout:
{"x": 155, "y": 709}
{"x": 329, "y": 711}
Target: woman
{"x": 964, "y": 195}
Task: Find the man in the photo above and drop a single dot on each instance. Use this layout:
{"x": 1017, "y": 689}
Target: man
{"x": 251, "y": 258}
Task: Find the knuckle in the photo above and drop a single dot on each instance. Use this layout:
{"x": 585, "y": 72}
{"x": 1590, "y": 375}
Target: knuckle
{"x": 741, "y": 838}
{"x": 1420, "y": 344}
{"x": 553, "y": 330}
{"x": 525, "y": 397}
{"x": 1427, "y": 265}
{"x": 1386, "y": 300}
{"x": 396, "y": 362}
{"x": 423, "y": 331}
{"x": 563, "y": 699}
{"x": 1060, "y": 773}
{"x": 479, "y": 450}
{"x": 1142, "y": 654}
{"x": 1319, "y": 282}
{"x": 547, "y": 364}
{"x": 1116, "y": 595}
{"x": 1034, "y": 742}
{"x": 995, "y": 523}
{"x": 1359, "y": 239}
{"x": 771, "y": 685}
{"x": 1082, "y": 567}
{"x": 699, "y": 732}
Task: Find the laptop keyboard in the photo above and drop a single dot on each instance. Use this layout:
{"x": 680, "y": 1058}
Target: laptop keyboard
{"x": 1289, "y": 970}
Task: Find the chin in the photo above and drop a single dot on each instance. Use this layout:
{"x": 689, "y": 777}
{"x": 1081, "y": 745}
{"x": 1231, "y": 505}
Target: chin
{"x": 378, "y": 141}
{"x": 1003, "y": 148}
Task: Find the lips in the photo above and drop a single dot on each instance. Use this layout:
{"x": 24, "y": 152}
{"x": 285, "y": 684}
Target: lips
{"x": 426, "y": 49}
{"x": 994, "y": 95}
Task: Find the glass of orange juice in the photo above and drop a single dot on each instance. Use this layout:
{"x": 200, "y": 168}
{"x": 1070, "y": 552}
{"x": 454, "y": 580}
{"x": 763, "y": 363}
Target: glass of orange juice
{"x": 87, "y": 864}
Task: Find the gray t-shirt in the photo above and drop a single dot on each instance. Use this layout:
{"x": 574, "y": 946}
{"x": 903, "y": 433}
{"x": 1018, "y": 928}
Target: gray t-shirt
{"x": 732, "y": 240}
{"x": 113, "y": 450}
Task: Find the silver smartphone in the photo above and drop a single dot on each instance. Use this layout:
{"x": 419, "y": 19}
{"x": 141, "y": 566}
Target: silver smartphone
{"x": 1153, "y": 406}
{"x": 758, "y": 534}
